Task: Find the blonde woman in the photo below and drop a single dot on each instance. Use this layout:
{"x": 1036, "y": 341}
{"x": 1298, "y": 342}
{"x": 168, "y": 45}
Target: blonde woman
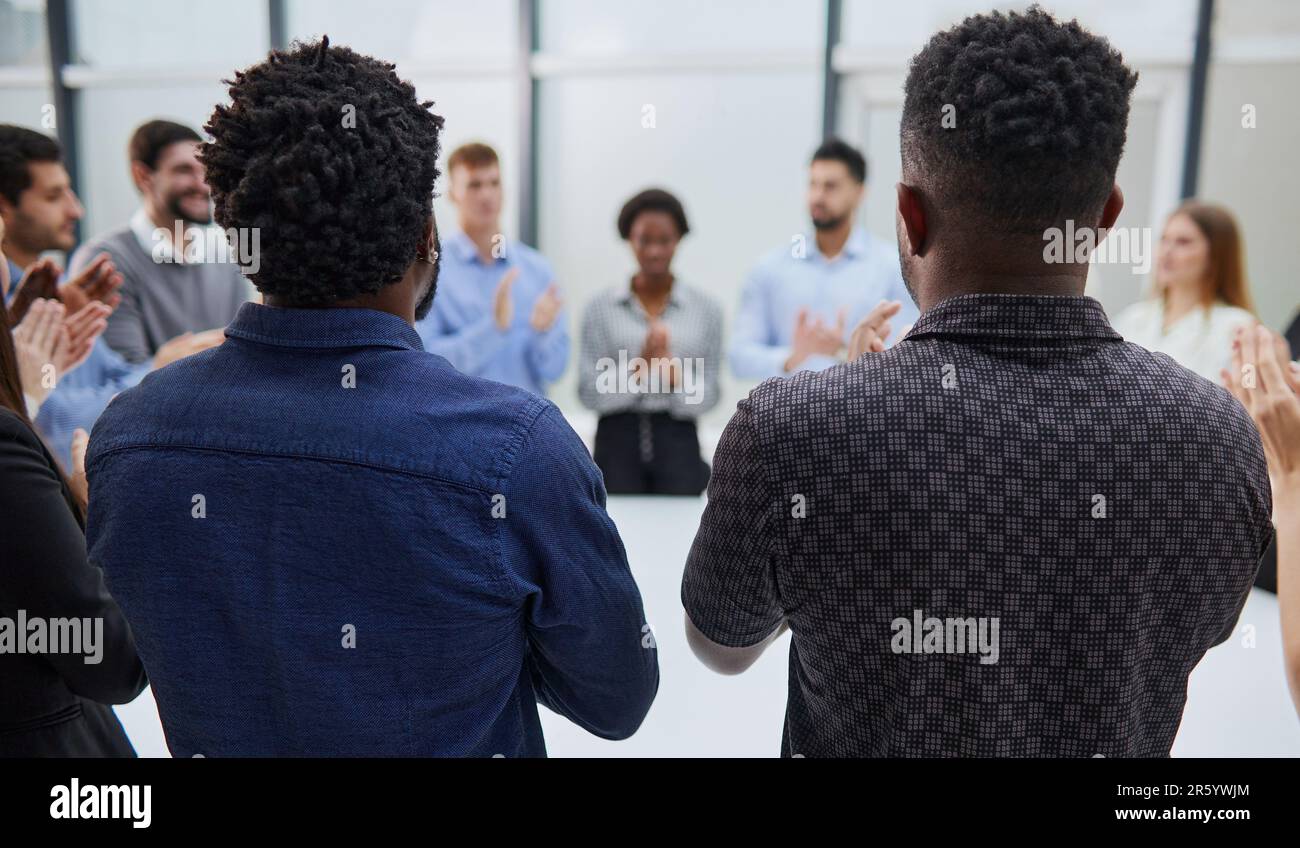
{"x": 1200, "y": 295}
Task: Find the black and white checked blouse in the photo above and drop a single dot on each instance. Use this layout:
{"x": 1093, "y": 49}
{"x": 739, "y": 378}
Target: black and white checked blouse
{"x": 614, "y": 321}
{"x": 1012, "y": 459}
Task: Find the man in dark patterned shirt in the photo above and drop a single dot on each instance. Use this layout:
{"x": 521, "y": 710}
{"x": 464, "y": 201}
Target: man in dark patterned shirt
{"x": 1012, "y": 533}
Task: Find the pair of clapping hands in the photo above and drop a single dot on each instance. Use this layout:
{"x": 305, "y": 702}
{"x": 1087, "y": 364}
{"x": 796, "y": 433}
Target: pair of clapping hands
{"x": 55, "y": 326}
{"x": 1268, "y": 385}
{"x": 816, "y": 338}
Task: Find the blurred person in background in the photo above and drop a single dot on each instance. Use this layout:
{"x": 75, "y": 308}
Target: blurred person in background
{"x": 41, "y": 211}
{"x": 170, "y": 286}
{"x": 1200, "y": 295}
{"x": 1271, "y": 394}
{"x": 649, "y": 360}
{"x": 802, "y": 300}
{"x": 499, "y": 313}
{"x": 54, "y": 698}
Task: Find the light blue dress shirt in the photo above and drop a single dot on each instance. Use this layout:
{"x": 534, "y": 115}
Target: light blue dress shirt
{"x": 461, "y": 328}
{"x": 81, "y": 395}
{"x": 787, "y": 280}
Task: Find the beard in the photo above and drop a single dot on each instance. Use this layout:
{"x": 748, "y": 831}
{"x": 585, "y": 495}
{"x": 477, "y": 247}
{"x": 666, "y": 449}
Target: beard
{"x": 177, "y": 211}
{"x": 904, "y": 260}
{"x": 829, "y": 222}
{"x": 426, "y": 300}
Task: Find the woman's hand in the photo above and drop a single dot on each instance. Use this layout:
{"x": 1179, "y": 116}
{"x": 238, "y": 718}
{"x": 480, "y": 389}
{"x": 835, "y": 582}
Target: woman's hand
{"x": 1268, "y": 387}
{"x": 41, "y": 342}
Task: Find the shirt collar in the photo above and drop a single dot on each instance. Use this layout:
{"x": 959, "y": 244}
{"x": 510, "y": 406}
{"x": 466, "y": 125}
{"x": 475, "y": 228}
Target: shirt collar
{"x": 322, "y": 328}
{"x": 857, "y": 246}
{"x": 1016, "y": 316}
{"x": 674, "y": 294}
{"x": 461, "y": 246}
{"x": 160, "y": 244}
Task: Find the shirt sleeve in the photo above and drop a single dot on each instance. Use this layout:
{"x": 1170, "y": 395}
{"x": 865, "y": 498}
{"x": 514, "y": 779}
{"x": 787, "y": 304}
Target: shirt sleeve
{"x": 729, "y": 587}
{"x": 468, "y": 348}
{"x": 753, "y": 355}
{"x": 592, "y": 655}
{"x": 82, "y": 395}
{"x": 548, "y": 352}
{"x": 595, "y": 345}
{"x": 126, "y": 331}
{"x": 695, "y": 400}
{"x": 48, "y": 576}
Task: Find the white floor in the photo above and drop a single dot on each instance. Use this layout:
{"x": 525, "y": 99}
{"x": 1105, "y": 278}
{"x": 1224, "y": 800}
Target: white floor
{"x": 1237, "y": 703}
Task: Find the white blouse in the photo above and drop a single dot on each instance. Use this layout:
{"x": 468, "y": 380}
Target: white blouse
{"x": 1201, "y": 341}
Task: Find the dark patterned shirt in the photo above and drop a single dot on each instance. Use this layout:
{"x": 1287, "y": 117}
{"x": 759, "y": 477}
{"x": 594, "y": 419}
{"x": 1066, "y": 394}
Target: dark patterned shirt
{"x": 1011, "y": 534}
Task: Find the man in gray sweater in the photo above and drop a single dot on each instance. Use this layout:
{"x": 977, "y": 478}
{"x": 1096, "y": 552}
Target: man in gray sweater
{"x": 179, "y": 274}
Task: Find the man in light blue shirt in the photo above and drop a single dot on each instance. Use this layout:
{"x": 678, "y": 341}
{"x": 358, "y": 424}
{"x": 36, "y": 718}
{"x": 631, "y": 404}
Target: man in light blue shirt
{"x": 498, "y": 313}
{"x": 801, "y": 302}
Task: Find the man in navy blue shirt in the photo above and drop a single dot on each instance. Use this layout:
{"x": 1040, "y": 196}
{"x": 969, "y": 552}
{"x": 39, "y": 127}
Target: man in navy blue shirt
{"x": 326, "y": 540}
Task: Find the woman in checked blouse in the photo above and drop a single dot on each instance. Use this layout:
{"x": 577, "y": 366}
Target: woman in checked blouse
{"x": 649, "y": 360}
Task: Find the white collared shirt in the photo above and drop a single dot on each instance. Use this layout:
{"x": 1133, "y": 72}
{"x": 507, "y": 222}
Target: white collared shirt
{"x": 161, "y": 245}
{"x": 1200, "y": 341}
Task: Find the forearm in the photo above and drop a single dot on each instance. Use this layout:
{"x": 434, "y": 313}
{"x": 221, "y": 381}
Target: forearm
{"x": 548, "y": 353}
{"x": 755, "y": 361}
{"x": 1287, "y": 511}
{"x": 725, "y": 659}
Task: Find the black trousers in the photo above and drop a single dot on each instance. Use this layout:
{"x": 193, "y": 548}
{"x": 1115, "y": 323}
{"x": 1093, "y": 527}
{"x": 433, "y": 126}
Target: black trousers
{"x": 650, "y": 453}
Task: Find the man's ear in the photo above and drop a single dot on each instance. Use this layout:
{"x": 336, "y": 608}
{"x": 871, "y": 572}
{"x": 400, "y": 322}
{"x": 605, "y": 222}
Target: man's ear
{"x": 140, "y": 175}
{"x": 913, "y": 218}
{"x": 1111, "y": 211}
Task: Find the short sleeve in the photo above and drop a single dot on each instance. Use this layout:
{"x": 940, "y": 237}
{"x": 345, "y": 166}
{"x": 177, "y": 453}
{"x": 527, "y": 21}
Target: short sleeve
{"x": 729, "y": 587}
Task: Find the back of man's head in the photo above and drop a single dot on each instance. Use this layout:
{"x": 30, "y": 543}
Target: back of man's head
{"x": 334, "y": 159}
{"x": 1014, "y": 123}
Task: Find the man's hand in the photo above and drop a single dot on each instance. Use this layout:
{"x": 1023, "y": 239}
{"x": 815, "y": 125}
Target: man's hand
{"x": 814, "y": 337}
{"x": 546, "y": 309}
{"x": 187, "y": 344}
{"x": 872, "y": 331}
{"x": 97, "y": 282}
{"x": 1267, "y": 386}
{"x": 503, "y": 305}
{"x": 40, "y": 282}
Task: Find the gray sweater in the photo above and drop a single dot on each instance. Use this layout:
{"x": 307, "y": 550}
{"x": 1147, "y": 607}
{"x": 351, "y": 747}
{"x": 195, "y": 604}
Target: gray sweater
{"x": 161, "y": 300}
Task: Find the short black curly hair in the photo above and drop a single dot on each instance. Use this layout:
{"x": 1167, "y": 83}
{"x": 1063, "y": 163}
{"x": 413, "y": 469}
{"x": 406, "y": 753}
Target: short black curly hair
{"x": 1017, "y": 118}
{"x": 334, "y": 159}
{"x": 652, "y": 200}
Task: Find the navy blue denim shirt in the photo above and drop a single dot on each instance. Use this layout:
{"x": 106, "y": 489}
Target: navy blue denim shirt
{"x": 330, "y": 542}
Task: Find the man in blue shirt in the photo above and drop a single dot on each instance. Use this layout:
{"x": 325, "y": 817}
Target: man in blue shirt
{"x": 498, "y": 314}
{"x": 802, "y": 301}
{"x": 326, "y": 540}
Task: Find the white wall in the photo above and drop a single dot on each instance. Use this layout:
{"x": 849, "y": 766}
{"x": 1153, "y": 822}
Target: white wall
{"x": 736, "y": 91}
